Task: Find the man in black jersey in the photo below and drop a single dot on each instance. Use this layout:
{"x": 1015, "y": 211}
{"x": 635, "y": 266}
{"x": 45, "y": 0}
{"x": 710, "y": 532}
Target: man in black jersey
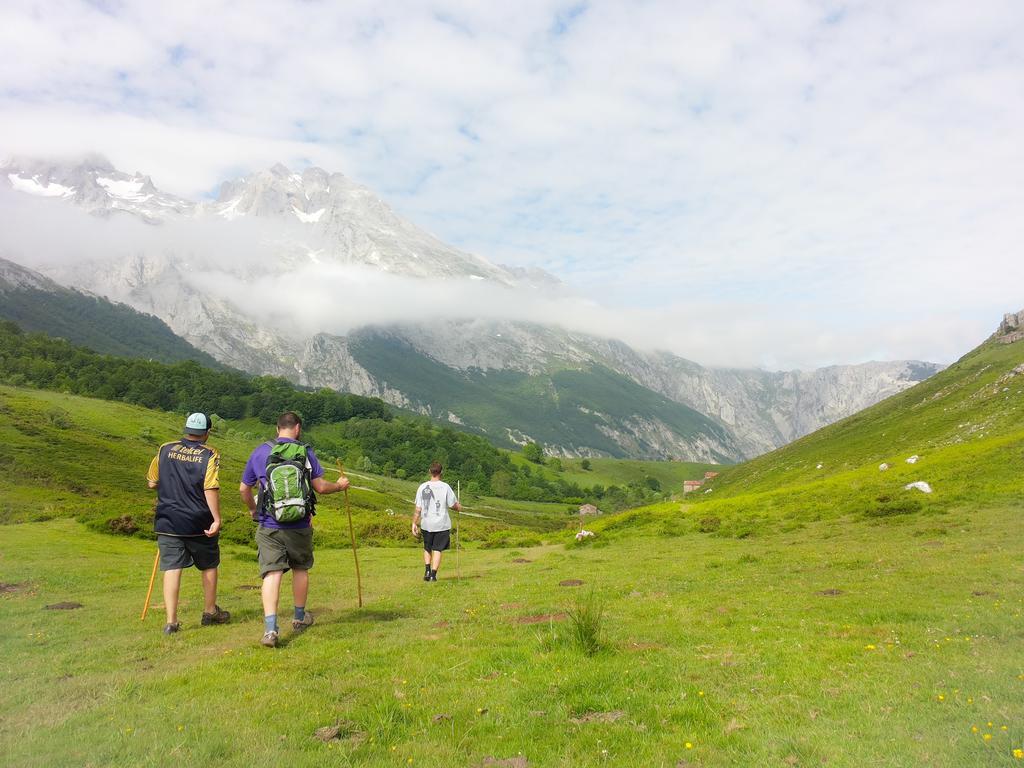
{"x": 186, "y": 474}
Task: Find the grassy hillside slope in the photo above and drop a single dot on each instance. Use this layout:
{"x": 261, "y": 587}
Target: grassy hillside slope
{"x": 965, "y": 425}
{"x": 574, "y": 409}
{"x": 96, "y": 323}
{"x": 68, "y": 456}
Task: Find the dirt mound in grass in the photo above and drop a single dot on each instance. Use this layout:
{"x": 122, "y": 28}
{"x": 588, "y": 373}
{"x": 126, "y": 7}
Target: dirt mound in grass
{"x": 63, "y": 606}
{"x": 571, "y": 583}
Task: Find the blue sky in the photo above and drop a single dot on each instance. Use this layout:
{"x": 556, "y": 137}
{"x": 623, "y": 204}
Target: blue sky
{"x": 783, "y": 184}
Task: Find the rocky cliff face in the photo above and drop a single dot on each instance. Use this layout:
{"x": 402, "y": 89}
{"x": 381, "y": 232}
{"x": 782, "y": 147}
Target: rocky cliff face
{"x": 1012, "y": 327}
{"x": 325, "y": 217}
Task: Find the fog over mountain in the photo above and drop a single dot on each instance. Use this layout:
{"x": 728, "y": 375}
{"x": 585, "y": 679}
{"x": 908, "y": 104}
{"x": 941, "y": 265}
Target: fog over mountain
{"x": 311, "y": 276}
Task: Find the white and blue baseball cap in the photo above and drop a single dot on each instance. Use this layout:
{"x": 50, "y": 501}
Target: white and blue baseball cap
{"x": 197, "y": 424}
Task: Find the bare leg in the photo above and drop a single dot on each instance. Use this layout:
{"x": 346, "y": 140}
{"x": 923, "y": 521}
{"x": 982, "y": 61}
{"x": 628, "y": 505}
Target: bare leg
{"x": 270, "y": 592}
{"x": 300, "y": 587}
{"x": 435, "y": 560}
{"x": 426, "y": 557}
{"x": 172, "y": 585}
{"x": 210, "y": 590}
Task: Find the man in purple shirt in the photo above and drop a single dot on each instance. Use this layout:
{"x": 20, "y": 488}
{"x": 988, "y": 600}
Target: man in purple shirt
{"x": 284, "y": 546}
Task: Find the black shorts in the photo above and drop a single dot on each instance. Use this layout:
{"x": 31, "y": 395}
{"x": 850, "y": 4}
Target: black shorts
{"x": 178, "y": 552}
{"x": 437, "y": 541}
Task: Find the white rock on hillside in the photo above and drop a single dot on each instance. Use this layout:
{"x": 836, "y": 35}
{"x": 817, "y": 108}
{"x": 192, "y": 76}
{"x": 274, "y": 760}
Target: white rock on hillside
{"x": 920, "y": 485}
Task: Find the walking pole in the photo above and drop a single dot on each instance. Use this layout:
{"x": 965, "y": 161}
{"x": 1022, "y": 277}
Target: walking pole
{"x": 458, "y": 550}
{"x": 152, "y": 578}
{"x": 352, "y": 536}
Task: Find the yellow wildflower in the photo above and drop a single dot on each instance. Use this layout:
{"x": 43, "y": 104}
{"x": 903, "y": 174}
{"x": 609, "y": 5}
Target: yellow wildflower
{"x": 1019, "y": 754}
{"x": 974, "y": 729}
{"x": 689, "y": 745}
{"x": 987, "y": 737}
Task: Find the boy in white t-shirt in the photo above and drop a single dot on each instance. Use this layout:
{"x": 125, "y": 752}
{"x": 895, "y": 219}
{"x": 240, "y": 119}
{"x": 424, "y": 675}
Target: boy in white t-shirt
{"x": 433, "y": 500}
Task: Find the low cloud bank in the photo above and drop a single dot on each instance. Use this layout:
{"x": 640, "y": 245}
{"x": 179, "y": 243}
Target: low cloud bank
{"x": 264, "y": 269}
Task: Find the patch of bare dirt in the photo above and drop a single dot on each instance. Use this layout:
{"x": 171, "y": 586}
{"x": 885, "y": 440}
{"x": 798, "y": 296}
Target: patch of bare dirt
{"x": 8, "y": 588}
{"x": 521, "y": 560}
{"x": 598, "y": 717}
{"x": 511, "y": 606}
{"x": 831, "y": 592}
{"x": 635, "y": 645}
{"x": 341, "y": 730}
{"x": 571, "y": 583}
{"x": 440, "y": 717}
{"x": 508, "y": 762}
{"x": 63, "y": 606}
{"x": 441, "y": 625}
{"x": 541, "y": 617}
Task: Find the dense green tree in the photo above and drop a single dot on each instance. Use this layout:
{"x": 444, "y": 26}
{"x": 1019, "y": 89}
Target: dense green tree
{"x": 533, "y": 452}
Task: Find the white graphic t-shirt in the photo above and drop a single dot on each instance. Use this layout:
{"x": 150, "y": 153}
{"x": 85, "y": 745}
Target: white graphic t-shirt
{"x": 435, "y": 498}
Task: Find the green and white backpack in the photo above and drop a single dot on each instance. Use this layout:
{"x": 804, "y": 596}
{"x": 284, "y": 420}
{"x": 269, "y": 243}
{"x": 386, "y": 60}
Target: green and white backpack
{"x": 288, "y": 496}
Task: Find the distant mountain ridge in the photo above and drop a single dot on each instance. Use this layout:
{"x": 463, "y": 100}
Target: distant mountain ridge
{"x": 557, "y": 385}
{"x": 36, "y": 303}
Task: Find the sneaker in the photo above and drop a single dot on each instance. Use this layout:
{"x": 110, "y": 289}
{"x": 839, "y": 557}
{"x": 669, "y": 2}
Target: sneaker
{"x": 170, "y": 629}
{"x": 304, "y": 623}
{"x": 269, "y": 639}
{"x": 219, "y": 616}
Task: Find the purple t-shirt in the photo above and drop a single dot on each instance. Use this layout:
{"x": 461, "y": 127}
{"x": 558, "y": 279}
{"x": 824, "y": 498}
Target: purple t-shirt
{"x": 256, "y": 472}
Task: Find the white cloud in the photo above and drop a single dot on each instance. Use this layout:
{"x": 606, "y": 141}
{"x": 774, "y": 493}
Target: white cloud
{"x": 788, "y": 183}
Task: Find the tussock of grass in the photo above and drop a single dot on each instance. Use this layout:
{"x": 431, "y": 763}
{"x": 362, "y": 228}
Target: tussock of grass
{"x": 586, "y": 622}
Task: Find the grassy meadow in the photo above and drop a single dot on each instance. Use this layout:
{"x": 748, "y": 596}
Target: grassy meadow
{"x": 850, "y": 646}
{"x": 808, "y": 610}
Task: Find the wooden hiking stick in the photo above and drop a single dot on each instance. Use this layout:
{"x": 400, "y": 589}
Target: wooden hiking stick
{"x": 149, "y": 592}
{"x": 352, "y": 536}
{"x": 458, "y": 551}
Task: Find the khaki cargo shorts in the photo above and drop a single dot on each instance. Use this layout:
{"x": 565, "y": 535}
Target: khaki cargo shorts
{"x": 283, "y": 549}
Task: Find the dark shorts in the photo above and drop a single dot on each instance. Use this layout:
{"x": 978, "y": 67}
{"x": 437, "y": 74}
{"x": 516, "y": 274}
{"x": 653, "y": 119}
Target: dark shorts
{"x": 177, "y": 552}
{"x": 436, "y": 541}
{"x": 281, "y": 549}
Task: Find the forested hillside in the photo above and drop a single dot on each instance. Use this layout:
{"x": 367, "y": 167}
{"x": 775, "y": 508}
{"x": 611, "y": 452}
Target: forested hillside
{"x": 362, "y": 431}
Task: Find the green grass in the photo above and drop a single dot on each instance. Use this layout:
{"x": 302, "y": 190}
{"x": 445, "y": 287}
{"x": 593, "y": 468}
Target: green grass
{"x": 606, "y": 472}
{"x": 69, "y": 456}
{"x": 858, "y": 644}
{"x": 793, "y": 616}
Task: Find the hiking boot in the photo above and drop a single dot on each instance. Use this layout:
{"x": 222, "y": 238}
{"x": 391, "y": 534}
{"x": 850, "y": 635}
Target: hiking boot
{"x": 304, "y": 623}
{"x": 219, "y": 616}
{"x": 433, "y": 576}
{"x": 170, "y": 629}
{"x": 269, "y": 639}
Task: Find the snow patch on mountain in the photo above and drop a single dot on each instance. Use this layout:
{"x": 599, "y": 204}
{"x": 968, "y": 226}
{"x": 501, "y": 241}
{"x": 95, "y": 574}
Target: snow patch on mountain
{"x": 309, "y": 218}
{"x": 34, "y": 187}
